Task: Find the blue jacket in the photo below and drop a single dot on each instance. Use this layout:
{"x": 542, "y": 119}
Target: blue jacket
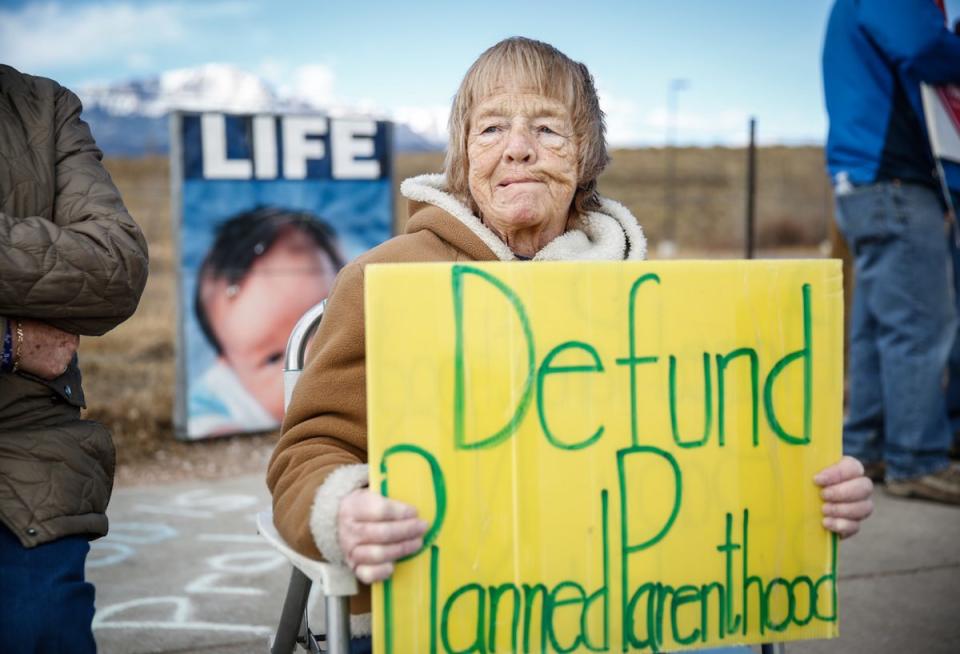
{"x": 875, "y": 54}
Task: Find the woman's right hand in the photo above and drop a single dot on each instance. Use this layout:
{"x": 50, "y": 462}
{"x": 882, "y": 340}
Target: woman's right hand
{"x": 374, "y": 531}
{"x": 46, "y": 351}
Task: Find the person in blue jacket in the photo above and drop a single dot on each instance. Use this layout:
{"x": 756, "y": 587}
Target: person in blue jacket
{"x": 891, "y": 212}
{"x": 951, "y": 188}
{"x": 951, "y": 174}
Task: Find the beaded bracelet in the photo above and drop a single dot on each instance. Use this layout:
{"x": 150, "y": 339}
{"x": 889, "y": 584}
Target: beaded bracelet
{"x": 6, "y": 357}
{"x": 19, "y": 351}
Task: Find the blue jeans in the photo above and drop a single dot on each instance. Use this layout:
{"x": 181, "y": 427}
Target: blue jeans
{"x": 953, "y": 387}
{"x": 901, "y": 328}
{"x": 46, "y": 607}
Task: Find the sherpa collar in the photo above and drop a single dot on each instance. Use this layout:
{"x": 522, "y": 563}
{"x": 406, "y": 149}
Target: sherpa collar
{"x": 611, "y": 234}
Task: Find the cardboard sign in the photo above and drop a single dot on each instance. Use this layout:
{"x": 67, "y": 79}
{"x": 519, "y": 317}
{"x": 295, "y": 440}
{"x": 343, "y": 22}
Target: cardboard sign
{"x": 266, "y": 209}
{"x": 612, "y": 456}
{"x": 941, "y": 108}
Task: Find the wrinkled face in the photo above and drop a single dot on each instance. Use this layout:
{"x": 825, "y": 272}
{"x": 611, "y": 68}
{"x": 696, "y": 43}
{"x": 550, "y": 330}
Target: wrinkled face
{"x": 522, "y": 158}
{"x": 253, "y": 321}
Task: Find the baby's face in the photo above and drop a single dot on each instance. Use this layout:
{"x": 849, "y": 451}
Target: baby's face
{"x": 254, "y": 323}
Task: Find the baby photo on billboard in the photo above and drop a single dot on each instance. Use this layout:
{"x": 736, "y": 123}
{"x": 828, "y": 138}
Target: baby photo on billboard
{"x": 265, "y": 269}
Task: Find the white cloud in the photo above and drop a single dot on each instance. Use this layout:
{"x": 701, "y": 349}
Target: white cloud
{"x": 313, "y": 83}
{"x": 44, "y": 35}
{"x": 429, "y": 121}
{"x": 724, "y": 127}
{"x": 631, "y": 124}
{"x": 316, "y": 84}
{"x": 622, "y": 117}
{"x": 274, "y": 71}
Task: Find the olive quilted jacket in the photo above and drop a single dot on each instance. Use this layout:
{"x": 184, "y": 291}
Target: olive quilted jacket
{"x": 71, "y": 256}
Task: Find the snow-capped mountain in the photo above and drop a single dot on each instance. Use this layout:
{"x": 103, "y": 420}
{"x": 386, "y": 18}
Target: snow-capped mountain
{"x": 212, "y": 86}
{"x": 129, "y": 118}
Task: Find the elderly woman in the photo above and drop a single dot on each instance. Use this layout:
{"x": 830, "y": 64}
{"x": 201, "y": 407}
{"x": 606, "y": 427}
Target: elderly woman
{"x": 526, "y": 148}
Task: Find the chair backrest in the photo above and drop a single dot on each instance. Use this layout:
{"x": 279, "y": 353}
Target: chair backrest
{"x": 336, "y": 582}
{"x": 297, "y": 348}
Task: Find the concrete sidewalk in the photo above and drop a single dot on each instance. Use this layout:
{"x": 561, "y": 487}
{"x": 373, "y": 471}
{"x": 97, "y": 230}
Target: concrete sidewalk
{"x": 184, "y": 571}
{"x": 899, "y": 582}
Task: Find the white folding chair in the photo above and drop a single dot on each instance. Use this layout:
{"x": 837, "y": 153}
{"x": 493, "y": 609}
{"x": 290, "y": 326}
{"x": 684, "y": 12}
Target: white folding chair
{"x": 336, "y": 582}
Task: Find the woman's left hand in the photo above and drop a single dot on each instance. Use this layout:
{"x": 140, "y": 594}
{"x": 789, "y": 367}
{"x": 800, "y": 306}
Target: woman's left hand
{"x": 846, "y": 494}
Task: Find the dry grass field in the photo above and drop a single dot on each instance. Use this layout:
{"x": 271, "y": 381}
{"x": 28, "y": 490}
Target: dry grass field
{"x": 129, "y": 374}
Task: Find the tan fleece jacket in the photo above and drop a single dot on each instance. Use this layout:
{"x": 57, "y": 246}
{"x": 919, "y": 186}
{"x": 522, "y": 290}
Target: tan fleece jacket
{"x": 317, "y": 460}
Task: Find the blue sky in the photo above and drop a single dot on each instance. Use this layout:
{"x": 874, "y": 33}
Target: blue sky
{"x": 741, "y": 57}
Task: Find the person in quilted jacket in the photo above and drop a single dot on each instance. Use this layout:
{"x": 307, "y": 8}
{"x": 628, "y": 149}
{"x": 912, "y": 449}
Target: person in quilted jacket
{"x": 72, "y": 263}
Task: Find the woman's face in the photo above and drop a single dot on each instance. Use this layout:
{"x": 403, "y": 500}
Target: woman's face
{"x": 522, "y": 158}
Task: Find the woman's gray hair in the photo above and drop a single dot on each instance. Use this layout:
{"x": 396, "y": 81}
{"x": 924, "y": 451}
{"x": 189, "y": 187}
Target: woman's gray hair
{"x": 539, "y": 66}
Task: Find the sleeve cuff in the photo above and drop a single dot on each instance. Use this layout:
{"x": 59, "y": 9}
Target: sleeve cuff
{"x": 326, "y": 503}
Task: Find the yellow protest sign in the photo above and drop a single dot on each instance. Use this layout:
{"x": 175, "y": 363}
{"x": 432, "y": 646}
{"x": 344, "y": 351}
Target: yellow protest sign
{"x": 612, "y": 456}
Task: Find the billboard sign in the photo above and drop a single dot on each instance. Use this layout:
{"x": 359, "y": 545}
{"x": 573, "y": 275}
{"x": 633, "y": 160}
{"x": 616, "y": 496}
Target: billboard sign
{"x": 267, "y": 208}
